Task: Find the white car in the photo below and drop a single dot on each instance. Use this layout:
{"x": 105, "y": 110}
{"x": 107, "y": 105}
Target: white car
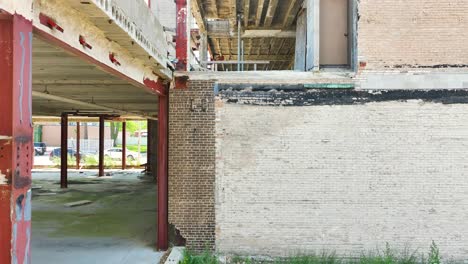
{"x": 116, "y": 153}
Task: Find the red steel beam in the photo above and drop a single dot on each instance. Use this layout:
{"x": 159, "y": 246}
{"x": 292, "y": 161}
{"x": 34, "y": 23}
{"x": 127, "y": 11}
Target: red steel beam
{"x": 124, "y": 145}
{"x": 181, "y": 35}
{"x": 101, "y": 146}
{"x": 64, "y": 151}
{"x": 78, "y": 135}
{"x": 16, "y": 133}
{"x": 162, "y": 176}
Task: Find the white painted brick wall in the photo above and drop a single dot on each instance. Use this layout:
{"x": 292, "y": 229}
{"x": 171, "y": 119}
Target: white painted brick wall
{"x": 344, "y": 178}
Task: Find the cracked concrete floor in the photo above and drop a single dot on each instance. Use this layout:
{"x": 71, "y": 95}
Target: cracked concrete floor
{"x": 119, "y": 227}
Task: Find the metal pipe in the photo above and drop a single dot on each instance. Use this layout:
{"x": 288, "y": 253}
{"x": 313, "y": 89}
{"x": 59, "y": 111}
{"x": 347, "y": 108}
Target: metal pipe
{"x": 101, "y": 146}
{"x": 238, "y": 43}
{"x": 64, "y": 151}
{"x": 242, "y": 55}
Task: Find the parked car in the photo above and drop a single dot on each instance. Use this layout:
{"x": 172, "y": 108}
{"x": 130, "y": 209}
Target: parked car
{"x": 116, "y": 153}
{"x": 71, "y": 153}
{"x": 40, "y": 148}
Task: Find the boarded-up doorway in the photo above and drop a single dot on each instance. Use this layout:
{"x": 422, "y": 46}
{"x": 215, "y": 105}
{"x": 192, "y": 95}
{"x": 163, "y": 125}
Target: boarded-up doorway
{"x": 334, "y": 33}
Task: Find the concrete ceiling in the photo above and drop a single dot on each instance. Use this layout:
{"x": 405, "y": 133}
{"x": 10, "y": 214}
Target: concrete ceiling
{"x": 63, "y": 82}
{"x": 270, "y": 25}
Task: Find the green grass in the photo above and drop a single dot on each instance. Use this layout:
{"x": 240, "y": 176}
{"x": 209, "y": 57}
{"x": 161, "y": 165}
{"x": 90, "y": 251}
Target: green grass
{"x": 386, "y": 256}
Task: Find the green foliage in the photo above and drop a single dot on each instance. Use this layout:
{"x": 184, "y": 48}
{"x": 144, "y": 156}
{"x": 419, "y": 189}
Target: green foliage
{"x": 133, "y": 126}
{"x": 205, "y": 258}
{"x": 434, "y": 257}
{"x": 109, "y": 162}
{"x": 324, "y": 258}
{"x": 386, "y": 256}
{"x": 134, "y": 148}
{"x": 90, "y": 160}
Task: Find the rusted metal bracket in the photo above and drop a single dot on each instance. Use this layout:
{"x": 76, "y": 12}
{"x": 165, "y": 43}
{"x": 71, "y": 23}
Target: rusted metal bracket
{"x": 49, "y": 22}
{"x": 113, "y": 59}
{"x": 84, "y": 43}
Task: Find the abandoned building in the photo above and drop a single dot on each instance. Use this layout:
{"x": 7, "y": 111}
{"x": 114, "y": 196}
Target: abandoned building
{"x": 275, "y": 126}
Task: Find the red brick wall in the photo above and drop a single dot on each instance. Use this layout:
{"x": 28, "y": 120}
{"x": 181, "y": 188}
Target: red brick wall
{"x": 192, "y": 164}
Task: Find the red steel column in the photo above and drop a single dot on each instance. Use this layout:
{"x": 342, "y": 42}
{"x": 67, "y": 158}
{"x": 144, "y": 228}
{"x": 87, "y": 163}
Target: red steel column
{"x": 64, "y": 151}
{"x": 78, "y": 135}
{"x": 163, "y": 116}
{"x": 148, "y": 146}
{"x": 101, "y": 146}
{"x": 124, "y": 145}
{"x": 181, "y": 35}
{"x": 16, "y": 133}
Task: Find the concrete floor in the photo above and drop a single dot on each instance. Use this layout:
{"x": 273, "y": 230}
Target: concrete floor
{"x": 119, "y": 227}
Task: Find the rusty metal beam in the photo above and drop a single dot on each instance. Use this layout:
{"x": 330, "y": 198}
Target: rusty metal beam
{"x": 162, "y": 177}
{"x": 148, "y": 147}
{"x": 101, "y": 146}
{"x": 181, "y": 35}
{"x": 64, "y": 151}
{"x": 16, "y": 133}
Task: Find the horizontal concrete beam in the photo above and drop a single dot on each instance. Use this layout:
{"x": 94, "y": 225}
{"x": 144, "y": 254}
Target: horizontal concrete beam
{"x": 268, "y": 33}
{"x": 98, "y": 107}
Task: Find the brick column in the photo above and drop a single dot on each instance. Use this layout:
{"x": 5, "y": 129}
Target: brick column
{"x": 192, "y": 164}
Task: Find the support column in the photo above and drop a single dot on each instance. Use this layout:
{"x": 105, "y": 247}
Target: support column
{"x": 124, "y": 145}
{"x": 64, "y": 151}
{"x": 301, "y": 42}
{"x": 16, "y": 133}
{"x": 153, "y": 137}
{"x": 149, "y": 151}
{"x": 313, "y": 35}
{"x": 181, "y": 35}
{"x": 78, "y": 135}
{"x": 101, "y": 146}
{"x": 162, "y": 166}
{"x": 203, "y": 49}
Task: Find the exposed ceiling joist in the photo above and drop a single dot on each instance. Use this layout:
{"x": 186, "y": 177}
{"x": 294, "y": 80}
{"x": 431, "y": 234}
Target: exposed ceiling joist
{"x": 271, "y": 12}
{"x": 291, "y": 13}
{"x": 246, "y": 13}
{"x": 258, "y": 19}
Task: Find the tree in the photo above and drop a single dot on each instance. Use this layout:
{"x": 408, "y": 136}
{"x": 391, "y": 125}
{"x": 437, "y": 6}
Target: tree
{"x": 115, "y": 127}
{"x": 133, "y": 126}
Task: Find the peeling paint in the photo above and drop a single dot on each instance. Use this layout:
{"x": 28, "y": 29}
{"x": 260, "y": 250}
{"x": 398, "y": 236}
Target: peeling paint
{"x": 308, "y": 97}
{"x": 21, "y": 182}
{"x": 27, "y": 206}
{"x": 30, "y": 80}
{"x": 21, "y": 81}
{"x": 435, "y": 66}
{"x": 3, "y": 178}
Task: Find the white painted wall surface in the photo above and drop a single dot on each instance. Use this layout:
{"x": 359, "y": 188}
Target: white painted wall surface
{"x": 292, "y": 180}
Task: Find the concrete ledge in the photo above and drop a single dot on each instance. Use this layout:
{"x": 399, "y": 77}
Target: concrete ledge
{"x": 176, "y": 256}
